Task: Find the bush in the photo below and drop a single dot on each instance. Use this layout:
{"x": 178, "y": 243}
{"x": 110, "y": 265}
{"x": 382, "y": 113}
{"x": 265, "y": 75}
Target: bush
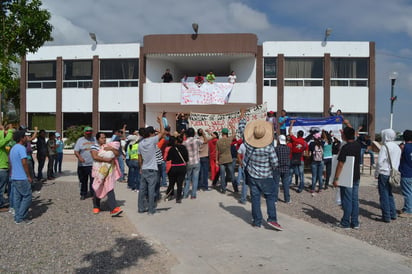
{"x": 73, "y": 133}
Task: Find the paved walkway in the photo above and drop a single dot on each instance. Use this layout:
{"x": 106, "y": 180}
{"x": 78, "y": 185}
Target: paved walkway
{"x": 212, "y": 234}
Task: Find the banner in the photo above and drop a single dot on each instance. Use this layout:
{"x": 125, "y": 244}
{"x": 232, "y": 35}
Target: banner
{"x": 215, "y": 122}
{"x": 333, "y": 123}
{"x": 206, "y": 94}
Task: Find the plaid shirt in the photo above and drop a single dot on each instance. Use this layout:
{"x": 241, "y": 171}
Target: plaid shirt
{"x": 192, "y": 145}
{"x": 263, "y": 161}
{"x": 283, "y": 153}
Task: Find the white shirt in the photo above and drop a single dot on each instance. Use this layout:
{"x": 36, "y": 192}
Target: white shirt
{"x": 232, "y": 78}
{"x": 384, "y": 166}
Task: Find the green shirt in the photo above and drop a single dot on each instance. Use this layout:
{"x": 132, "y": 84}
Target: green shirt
{"x": 4, "y": 140}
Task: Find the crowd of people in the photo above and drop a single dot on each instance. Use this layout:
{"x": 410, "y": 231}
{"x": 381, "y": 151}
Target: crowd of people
{"x": 199, "y": 79}
{"x": 183, "y": 162}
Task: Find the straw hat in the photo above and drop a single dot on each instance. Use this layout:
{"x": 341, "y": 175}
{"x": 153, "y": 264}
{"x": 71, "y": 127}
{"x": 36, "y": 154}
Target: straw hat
{"x": 259, "y": 133}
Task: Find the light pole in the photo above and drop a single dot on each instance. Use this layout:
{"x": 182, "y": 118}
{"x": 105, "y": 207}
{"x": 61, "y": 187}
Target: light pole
{"x": 393, "y": 77}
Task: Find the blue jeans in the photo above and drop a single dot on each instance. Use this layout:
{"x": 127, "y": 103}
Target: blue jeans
{"x": 133, "y": 175}
{"x": 4, "y": 180}
{"x": 146, "y": 200}
{"x": 406, "y": 188}
{"x": 286, "y": 179}
{"x": 298, "y": 169}
{"x": 370, "y": 152}
{"x": 21, "y": 199}
{"x": 328, "y": 168}
{"x": 241, "y": 180}
{"x": 192, "y": 175}
{"x": 268, "y": 188}
{"x": 163, "y": 174}
{"x": 121, "y": 166}
{"x": 350, "y": 205}
{"x": 223, "y": 170}
{"x": 58, "y": 162}
{"x": 386, "y": 200}
{"x": 204, "y": 173}
{"x": 317, "y": 170}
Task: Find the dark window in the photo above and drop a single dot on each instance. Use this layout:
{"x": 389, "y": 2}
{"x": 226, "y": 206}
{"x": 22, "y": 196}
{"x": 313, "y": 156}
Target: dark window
{"x": 349, "y": 68}
{"x": 116, "y": 120}
{"x": 76, "y": 119}
{"x": 119, "y": 69}
{"x": 42, "y": 71}
{"x": 303, "y": 68}
{"x": 78, "y": 70}
{"x": 305, "y": 115}
{"x": 45, "y": 121}
{"x": 269, "y": 67}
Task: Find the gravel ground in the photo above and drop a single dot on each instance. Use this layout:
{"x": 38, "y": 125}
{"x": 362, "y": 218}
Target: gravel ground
{"x": 322, "y": 210}
{"x": 66, "y": 237}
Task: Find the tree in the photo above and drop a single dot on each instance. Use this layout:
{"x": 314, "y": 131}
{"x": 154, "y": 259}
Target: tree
{"x": 24, "y": 28}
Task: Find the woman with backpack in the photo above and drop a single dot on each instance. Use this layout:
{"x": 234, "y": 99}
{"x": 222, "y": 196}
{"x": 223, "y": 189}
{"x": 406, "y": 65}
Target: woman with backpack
{"x": 316, "y": 152}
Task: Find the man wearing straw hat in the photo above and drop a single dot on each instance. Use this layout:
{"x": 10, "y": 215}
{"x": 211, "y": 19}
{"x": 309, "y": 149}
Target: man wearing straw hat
{"x": 259, "y": 164}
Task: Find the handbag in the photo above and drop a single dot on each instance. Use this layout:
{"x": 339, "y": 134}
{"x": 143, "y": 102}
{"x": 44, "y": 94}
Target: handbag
{"x": 168, "y": 163}
{"x": 395, "y": 175}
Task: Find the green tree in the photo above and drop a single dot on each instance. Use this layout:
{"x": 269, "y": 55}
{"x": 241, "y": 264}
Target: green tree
{"x": 24, "y": 28}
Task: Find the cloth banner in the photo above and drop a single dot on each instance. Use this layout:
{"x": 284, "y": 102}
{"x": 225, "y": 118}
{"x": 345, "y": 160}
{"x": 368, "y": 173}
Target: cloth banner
{"x": 333, "y": 123}
{"x": 206, "y": 94}
{"x": 215, "y": 122}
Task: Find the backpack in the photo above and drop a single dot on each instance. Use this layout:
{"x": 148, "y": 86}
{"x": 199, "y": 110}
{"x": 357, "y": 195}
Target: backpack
{"x": 317, "y": 153}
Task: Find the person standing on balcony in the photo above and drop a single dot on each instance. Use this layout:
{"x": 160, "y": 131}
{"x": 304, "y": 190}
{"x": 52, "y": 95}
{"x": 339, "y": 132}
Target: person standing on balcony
{"x": 199, "y": 79}
{"x": 167, "y": 76}
{"x": 232, "y": 78}
{"x": 211, "y": 77}
{"x": 184, "y": 81}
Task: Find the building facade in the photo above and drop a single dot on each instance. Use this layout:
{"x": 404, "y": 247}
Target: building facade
{"x": 109, "y": 85}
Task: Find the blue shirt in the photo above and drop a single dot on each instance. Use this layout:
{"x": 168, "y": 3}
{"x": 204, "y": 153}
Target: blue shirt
{"x": 406, "y": 161}
{"x": 17, "y": 153}
{"x": 281, "y": 119}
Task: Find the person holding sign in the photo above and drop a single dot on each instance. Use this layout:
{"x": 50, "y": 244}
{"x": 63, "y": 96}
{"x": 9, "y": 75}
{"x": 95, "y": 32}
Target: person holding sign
{"x": 349, "y": 195}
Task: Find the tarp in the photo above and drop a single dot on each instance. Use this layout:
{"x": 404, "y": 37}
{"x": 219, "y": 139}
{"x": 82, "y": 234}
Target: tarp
{"x": 333, "y": 123}
{"x": 205, "y": 94}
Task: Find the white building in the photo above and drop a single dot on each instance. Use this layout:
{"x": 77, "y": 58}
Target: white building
{"x": 107, "y": 85}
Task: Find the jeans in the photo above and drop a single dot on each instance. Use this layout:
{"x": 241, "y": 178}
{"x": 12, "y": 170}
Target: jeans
{"x": 41, "y": 160}
{"x": 241, "y": 180}
{"x": 224, "y": 169}
{"x": 317, "y": 171}
{"x": 328, "y": 167}
{"x": 133, "y": 176}
{"x": 192, "y": 175}
{"x": 386, "y": 200}
{"x": 286, "y": 180}
{"x": 85, "y": 174}
{"x": 21, "y": 199}
{"x": 204, "y": 173}
{"x": 406, "y": 188}
{"x": 50, "y": 164}
{"x": 163, "y": 174}
{"x": 58, "y": 162}
{"x": 267, "y": 187}
{"x": 298, "y": 169}
{"x": 4, "y": 180}
{"x": 370, "y": 152}
{"x": 121, "y": 166}
{"x": 146, "y": 200}
{"x": 350, "y": 205}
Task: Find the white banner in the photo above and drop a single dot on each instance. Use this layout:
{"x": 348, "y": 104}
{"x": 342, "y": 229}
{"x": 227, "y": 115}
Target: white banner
{"x": 206, "y": 94}
{"x": 215, "y": 122}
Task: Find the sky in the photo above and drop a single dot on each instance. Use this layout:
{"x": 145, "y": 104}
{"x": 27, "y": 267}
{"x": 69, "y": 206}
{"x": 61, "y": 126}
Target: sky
{"x": 387, "y": 23}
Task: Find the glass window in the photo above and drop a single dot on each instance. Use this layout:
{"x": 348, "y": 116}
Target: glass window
{"x": 78, "y": 70}
{"x": 116, "y": 120}
{"x": 349, "y": 68}
{"x": 46, "y": 121}
{"x": 303, "y": 68}
{"x": 119, "y": 69}
{"x": 77, "y": 119}
{"x": 42, "y": 71}
{"x": 305, "y": 115}
{"x": 357, "y": 119}
{"x": 269, "y": 67}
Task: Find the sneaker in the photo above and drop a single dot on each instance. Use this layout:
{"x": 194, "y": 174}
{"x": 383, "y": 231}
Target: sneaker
{"x": 356, "y": 227}
{"x": 275, "y": 225}
{"x": 116, "y": 212}
{"x": 96, "y": 210}
{"x": 12, "y": 211}
{"x": 405, "y": 215}
{"x": 24, "y": 222}
{"x": 82, "y": 197}
{"x": 339, "y": 225}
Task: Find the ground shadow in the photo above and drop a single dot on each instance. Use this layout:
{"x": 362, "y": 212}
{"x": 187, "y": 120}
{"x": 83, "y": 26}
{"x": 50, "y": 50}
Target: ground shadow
{"x": 238, "y": 211}
{"x": 125, "y": 253}
{"x": 315, "y": 213}
{"x": 39, "y": 207}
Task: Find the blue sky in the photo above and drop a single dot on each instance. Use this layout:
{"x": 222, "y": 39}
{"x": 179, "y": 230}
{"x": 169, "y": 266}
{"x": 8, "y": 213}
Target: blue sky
{"x": 387, "y": 23}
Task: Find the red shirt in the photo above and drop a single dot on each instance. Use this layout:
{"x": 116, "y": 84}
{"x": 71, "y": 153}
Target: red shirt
{"x": 299, "y": 145}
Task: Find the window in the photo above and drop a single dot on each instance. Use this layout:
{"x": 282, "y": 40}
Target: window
{"x": 42, "y": 74}
{"x": 269, "y": 64}
{"x": 46, "y": 121}
{"x": 357, "y": 119}
{"x": 349, "y": 71}
{"x": 124, "y": 71}
{"x": 116, "y": 120}
{"x": 77, "y": 70}
{"x": 305, "y": 115}
{"x": 303, "y": 71}
{"x": 76, "y": 119}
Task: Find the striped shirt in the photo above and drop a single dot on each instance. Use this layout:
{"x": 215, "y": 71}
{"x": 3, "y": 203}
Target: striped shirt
{"x": 283, "y": 154}
{"x": 263, "y": 161}
{"x": 192, "y": 145}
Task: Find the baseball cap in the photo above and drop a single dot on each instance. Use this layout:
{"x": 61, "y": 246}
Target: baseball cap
{"x": 225, "y": 131}
{"x": 57, "y": 135}
{"x": 88, "y": 129}
{"x": 282, "y": 139}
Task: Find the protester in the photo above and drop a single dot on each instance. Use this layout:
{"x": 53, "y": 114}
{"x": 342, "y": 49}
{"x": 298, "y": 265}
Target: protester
{"x": 199, "y": 80}
{"x": 282, "y": 171}
{"x": 167, "y": 76}
{"x": 259, "y": 162}
{"x": 241, "y": 180}
{"x": 85, "y": 161}
{"x": 20, "y": 178}
{"x": 299, "y": 146}
{"x": 214, "y": 168}
{"x": 6, "y": 135}
{"x": 316, "y": 152}
{"x": 210, "y": 77}
{"x": 51, "y": 155}
{"x": 282, "y": 121}
{"x": 405, "y": 168}
{"x": 366, "y": 148}
{"x": 224, "y": 161}
{"x": 349, "y": 195}
{"x": 105, "y": 173}
{"x": 133, "y": 175}
{"x": 41, "y": 154}
{"x": 327, "y": 156}
{"x": 232, "y": 77}
{"x": 389, "y": 157}
{"x": 204, "y": 162}
{"x": 59, "y": 157}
